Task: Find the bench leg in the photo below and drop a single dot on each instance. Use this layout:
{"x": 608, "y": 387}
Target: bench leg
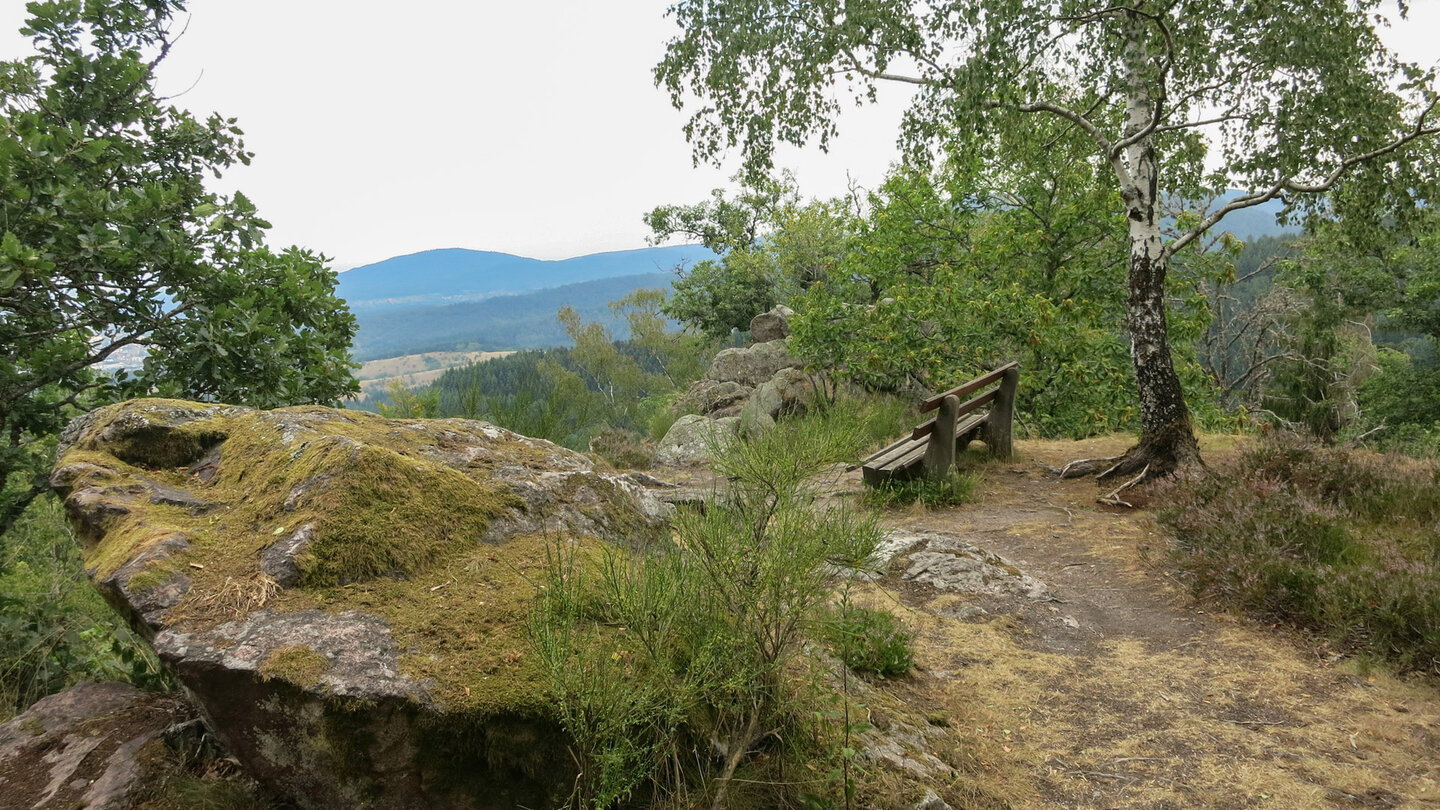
{"x": 940, "y": 452}
{"x": 1002, "y": 416}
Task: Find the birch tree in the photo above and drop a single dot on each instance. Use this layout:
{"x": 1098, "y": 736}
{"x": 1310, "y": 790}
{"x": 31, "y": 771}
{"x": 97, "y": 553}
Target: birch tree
{"x": 1178, "y": 97}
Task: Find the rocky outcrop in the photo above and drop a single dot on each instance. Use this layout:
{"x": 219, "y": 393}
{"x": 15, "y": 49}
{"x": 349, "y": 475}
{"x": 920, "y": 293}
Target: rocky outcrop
{"x": 690, "y": 440}
{"x": 785, "y": 393}
{"x": 344, "y": 595}
{"x": 99, "y": 745}
{"x": 758, "y": 384}
{"x": 752, "y": 365}
{"x": 714, "y": 398}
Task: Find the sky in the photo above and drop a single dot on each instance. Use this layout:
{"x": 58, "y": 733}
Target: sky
{"x": 381, "y": 128}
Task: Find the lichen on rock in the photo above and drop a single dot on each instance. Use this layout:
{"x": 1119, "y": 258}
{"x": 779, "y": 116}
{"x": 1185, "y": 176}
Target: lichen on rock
{"x": 306, "y": 569}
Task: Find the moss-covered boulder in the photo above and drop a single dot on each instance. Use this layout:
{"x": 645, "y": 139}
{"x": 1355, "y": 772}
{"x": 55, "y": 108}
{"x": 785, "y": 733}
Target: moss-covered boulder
{"x": 345, "y": 596}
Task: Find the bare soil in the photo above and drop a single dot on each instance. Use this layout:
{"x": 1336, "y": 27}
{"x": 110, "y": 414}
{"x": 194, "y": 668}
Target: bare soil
{"x": 1121, "y": 690}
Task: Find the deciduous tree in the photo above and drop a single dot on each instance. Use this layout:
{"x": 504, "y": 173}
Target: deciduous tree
{"x": 1283, "y": 99}
{"x": 109, "y": 239}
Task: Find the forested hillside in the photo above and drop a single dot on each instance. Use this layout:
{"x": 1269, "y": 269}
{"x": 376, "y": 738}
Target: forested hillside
{"x": 522, "y": 321}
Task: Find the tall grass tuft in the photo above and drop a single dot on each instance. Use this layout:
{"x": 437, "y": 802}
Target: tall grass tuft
{"x": 673, "y": 670}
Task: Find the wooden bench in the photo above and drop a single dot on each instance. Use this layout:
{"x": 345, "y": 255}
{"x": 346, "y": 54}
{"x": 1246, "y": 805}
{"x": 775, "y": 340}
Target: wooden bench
{"x": 931, "y": 447}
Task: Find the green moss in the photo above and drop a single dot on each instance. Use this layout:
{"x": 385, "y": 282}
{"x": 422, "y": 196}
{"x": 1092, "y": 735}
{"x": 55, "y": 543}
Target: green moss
{"x": 396, "y": 536}
{"x": 126, "y": 538}
{"x": 153, "y": 575}
{"x": 298, "y": 664}
{"x": 440, "y": 509}
{"x": 461, "y": 625}
{"x": 139, "y": 436}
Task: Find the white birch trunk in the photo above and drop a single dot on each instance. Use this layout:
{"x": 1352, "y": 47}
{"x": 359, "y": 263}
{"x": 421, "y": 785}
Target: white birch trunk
{"x": 1167, "y": 439}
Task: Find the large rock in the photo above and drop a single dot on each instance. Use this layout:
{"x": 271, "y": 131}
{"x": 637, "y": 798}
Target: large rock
{"x": 98, "y": 745}
{"x": 772, "y": 325}
{"x": 753, "y": 365}
{"x": 345, "y": 596}
{"x": 788, "y": 392}
{"x": 713, "y": 398}
{"x": 691, "y": 439}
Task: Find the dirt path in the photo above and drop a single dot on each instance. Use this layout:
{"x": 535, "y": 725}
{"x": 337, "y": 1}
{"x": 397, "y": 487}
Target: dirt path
{"x": 1114, "y": 688}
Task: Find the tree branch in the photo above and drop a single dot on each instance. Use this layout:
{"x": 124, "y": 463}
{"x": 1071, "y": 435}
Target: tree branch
{"x": 1346, "y": 165}
{"x": 1290, "y": 184}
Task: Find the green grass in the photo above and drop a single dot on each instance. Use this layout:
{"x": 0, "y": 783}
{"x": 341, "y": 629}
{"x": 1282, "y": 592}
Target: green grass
{"x": 955, "y": 489}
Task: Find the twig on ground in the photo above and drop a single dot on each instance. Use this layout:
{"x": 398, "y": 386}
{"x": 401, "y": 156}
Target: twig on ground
{"x": 1253, "y": 722}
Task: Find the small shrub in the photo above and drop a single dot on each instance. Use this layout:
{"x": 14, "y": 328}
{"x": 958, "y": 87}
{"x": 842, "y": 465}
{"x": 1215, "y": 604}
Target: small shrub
{"x": 1338, "y": 542}
{"x": 624, "y": 449}
{"x": 676, "y": 666}
{"x": 955, "y": 489}
{"x": 868, "y": 640}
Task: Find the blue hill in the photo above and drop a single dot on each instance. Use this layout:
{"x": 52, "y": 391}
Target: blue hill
{"x": 523, "y": 321}
{"x": 455, "y": 275}
{"x": 1249, "y": 223}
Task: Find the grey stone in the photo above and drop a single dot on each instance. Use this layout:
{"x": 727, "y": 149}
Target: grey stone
{"x": 99, "y": 745}
{"x": 753, "y": 425}
{"x": 713, "y": 398}
{"x": 932, "y": 801}
{"x": 363, "y": 661}
{"x": 753, "y": 365}
{"x": 772, "y": 325}
{"x": 688, "y": 442}
{"x": 174, "y": 496}
{"x": 277, "y": 561}
{"x": 787, "y": 392}
{"x": 167, "y": 585}
{"x": 953, "y": 565}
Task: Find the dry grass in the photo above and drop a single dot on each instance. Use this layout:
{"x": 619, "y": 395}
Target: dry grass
{"x": 1150, "y": 700}
{"x": 232, "y": 598}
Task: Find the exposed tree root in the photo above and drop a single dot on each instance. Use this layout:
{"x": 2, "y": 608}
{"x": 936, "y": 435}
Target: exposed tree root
{"x": 1113, "y": 499}
{"x": 1081, "y": 467}
{"x": 1161, "y": 455}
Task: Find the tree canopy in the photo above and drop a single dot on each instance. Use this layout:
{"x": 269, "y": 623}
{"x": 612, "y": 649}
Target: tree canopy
{"x": 1176, "y": 98}
{"x": 109, "y": 239}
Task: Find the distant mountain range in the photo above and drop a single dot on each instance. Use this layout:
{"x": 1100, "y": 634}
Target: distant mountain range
{"x": 453, "y": 275}
{"x": 1253, "y": 222}
{"x": 507, "y": 322}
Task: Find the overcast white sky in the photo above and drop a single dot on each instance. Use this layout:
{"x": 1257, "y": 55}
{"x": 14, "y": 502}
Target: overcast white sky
{"x": 533, "y": 127}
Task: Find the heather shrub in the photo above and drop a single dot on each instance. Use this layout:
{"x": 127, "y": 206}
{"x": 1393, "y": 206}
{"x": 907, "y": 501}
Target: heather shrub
{"x": 1343, "y": 543}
